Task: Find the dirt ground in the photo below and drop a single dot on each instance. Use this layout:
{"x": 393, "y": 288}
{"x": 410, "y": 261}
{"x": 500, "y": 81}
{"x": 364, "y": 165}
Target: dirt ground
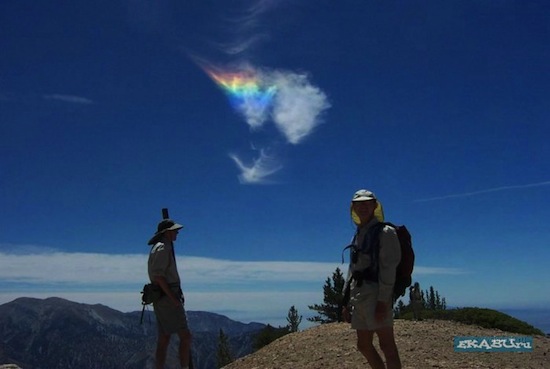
{"x": 422, "y": 345}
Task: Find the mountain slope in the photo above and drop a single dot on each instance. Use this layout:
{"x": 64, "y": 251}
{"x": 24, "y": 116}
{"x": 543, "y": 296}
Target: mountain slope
{"x": 56, "y": 333}
{"x": 422, "y": 345}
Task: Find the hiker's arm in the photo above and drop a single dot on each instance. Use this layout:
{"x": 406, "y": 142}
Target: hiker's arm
{"x": 161, "y": 281}
{"x": 390, "y": 255}
{"x": 344, "y": 305}
{"x": 345, "y": 308}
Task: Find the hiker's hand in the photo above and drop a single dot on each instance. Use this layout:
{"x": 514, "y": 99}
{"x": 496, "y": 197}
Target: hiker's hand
{"x": 346, "y": 315}
{"x": 381, "y": 311}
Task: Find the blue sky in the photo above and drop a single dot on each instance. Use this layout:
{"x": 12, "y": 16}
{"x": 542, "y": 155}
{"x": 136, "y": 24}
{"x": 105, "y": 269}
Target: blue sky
{"x": 107, "y": 115}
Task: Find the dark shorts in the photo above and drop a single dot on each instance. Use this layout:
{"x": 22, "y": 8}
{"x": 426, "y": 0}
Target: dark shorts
{"x": 170, "y": 318}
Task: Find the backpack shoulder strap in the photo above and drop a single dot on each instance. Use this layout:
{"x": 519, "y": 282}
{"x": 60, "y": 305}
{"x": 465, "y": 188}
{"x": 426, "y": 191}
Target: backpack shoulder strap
{"x": 373, "y": 237}
{"x": 373, "y": 249}
{"x": 351, "y": 246}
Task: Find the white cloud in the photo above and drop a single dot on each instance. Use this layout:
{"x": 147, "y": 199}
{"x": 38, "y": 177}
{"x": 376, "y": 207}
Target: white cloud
{"x": 261, "y": 168}
{"x": 71, "y": 268}
{"x": 242, "y": 290}
{"x": 112, "y": 269}
{"x": 69, "y": 99}
{"x": 420, "y": 270}
{"x": 297, "y": 106}
{"x": 117, "y": 270}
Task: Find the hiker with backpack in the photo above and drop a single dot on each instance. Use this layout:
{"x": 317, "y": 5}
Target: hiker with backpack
{"x": 169, "y": 305}
{"x": 375, "y": 255}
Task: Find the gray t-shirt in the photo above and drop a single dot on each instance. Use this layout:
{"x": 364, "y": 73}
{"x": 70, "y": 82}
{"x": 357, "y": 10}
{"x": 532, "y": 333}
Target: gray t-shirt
{"x": 161, "y": 263}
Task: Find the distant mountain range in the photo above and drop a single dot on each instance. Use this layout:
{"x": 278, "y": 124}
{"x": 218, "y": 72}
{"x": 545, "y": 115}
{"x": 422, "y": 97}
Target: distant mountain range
{"x": 59, "y": 334}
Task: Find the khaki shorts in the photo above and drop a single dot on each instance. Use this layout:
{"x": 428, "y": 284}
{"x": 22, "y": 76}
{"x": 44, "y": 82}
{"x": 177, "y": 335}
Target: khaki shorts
{"x": 170, "y": 318}
{"x": 364, "y": 301}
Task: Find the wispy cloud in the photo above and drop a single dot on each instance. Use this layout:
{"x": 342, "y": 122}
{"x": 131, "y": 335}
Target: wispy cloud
{"x": 259, "y": 170}
{"x": 106, "y": 270}
{"x": 237, "y": 47}
{"x": 490, "y": 190}
{"x": 69, "y": 99}
{"x": 245, "y": 28}
{"x": 243, "y": 290}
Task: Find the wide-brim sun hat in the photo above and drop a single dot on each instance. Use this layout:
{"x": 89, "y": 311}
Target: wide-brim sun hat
{"x": 163, "y": 226}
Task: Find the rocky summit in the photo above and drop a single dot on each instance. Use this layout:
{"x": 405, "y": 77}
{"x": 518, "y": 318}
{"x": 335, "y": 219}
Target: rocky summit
{"x": 422, "y": 345}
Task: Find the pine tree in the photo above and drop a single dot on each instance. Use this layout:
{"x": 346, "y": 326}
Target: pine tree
{"x": 424, "y": 299}
{"x": 431, "y": 299}
{"x": 399, "y": 309}
{"x": 437, "y": 301}
{"x": 293, "y": 319}
{"x": 331, "y": 310}
{"x": 224, "y": 355}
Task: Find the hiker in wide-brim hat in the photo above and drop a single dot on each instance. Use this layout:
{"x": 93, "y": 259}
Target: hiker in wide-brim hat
{"x": 169, "y": 307}
{"x": 370, "y": 281}
{"x": 163, "y": 226}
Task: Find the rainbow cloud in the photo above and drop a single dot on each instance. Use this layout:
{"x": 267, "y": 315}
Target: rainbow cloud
{"x": 285, "y": 98}
{"x": 288, "y": 99}
{"x": 247, "y": 94}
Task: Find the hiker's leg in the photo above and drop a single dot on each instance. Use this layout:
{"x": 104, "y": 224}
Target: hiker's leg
{"x": 162, "y": 347}
{"x": 388, "y": 347}
{"x": 185, "y": 346}
{"x": 365, "y": 346}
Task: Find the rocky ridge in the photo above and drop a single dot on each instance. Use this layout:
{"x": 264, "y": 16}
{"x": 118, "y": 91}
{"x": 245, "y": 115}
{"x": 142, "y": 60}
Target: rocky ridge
{"x": 39, "y": 334}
